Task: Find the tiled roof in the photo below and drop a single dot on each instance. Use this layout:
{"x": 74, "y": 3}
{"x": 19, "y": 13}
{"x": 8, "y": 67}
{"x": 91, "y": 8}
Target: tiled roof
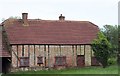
{"x": 3, "y": 49}
{"x": 51, "y": 32}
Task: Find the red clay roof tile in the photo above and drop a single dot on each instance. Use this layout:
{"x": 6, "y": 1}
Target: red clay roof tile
{"x": 3, "y": 49}
{"x": 51, "y": 32}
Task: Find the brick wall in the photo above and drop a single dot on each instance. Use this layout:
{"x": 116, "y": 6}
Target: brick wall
{"x": 14, "y": 58}
{"x": 48, "y": 52}
{"x": 87, "y": 55}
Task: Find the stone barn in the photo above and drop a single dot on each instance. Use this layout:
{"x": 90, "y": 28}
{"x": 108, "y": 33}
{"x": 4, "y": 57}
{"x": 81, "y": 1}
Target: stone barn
{"x": 37, "y": 43}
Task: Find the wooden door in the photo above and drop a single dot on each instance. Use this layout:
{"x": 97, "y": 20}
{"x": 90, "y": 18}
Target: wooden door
{"x": 80, "y": 60}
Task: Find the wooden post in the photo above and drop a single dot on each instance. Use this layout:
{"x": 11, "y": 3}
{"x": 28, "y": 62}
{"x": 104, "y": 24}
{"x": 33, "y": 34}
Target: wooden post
{"x": 84, "y": 55}
{"x": 29, "y": 53}
{"x": 48, "y": 57}
{"x": 34, "y": 56}
{"x": 45, "y": 54}
{"x": 17, "y": 55}
{"x": 22, "y": 50}
{"x": 76, "y": 53}
{"x": 60, "y": 49}
{"x": 73, "y": 55}
{"x": 91, "y": 54}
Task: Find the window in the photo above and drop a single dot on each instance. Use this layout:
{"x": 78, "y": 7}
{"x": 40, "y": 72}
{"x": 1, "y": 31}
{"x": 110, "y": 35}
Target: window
{"x": 24, "y": 62}
{"x": 82, "y": 49}
{"x": 40, "y": 60}
{"x": 60, "y": 60}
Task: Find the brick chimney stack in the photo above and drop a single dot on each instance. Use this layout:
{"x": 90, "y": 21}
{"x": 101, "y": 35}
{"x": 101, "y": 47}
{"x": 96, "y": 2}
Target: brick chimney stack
{"x": 25, "y": 19}
{"x": 61, "y": 17}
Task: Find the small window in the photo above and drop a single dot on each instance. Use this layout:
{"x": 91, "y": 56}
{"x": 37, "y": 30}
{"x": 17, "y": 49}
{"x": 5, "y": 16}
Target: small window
{"x": 40, "y": 60}
{"x": 24, "y": 62}
{"x": 60, "y": 60}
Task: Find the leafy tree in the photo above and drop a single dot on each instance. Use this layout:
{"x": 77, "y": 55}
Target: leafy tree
{"x": 118, "y": 55}
{"x": 111, "y": 32}
{"x": 14, "y": 17}
{"x": 101, "y": 48}
{"x": 10, "y": 20}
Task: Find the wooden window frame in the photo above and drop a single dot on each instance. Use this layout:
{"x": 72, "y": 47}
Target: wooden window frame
{"x": 39, "y": 60}
{"x": 25, "y": 61}
{"x": 61, "y": 61}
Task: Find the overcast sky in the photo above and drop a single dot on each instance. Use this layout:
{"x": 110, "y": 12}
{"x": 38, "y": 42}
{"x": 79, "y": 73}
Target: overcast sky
{"x": 100, "y": 12}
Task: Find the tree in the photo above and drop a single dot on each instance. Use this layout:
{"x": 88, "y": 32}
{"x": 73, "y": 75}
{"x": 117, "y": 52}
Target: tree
{"x": 10, "y": 20}
{"x": 101, "y": 48}
{"x": 111, "y": 32}
{"x": 118, "y": 55}
{"x": 14, "y": 17}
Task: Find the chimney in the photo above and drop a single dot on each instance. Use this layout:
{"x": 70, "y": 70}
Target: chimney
{"x": 61, "y": 17}
{"x": 24, "y": 18}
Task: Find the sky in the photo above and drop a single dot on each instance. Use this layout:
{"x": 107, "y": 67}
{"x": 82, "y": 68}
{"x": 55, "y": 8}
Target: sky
{"x": 99, "y": 12}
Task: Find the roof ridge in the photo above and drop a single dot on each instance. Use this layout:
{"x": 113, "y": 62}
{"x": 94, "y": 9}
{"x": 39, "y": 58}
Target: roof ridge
{"x": 56, "y": 20}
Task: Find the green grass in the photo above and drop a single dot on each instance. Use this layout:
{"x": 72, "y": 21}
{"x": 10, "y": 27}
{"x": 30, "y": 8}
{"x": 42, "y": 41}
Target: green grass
{"x": 86, "y": 70}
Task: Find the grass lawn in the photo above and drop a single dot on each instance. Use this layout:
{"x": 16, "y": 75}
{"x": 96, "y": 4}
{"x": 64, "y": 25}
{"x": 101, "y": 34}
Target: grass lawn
{"x": 113, "y": 69}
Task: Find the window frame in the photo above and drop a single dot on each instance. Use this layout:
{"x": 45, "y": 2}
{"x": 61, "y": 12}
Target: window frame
{"x": 60, "y": 60}
{"x": 24, "y": 61}
{"x": 40, "y": 60}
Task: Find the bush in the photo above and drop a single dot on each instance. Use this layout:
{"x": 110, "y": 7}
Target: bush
{"x": 112, "y": 61}
{"x": 101, "y": 48}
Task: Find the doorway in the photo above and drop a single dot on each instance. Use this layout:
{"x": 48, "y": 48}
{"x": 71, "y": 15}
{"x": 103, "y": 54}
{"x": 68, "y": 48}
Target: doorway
{"x": 80, "y": 60}
{"x": 6, "y": 64}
